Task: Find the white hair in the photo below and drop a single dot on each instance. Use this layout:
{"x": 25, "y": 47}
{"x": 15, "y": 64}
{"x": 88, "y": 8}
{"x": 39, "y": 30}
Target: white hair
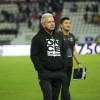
{"x": 44, "y": 16}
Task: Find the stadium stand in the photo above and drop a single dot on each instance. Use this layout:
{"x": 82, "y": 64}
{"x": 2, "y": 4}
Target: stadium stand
{"x": 78, "y": 25}
{"x": 23, "y": 16}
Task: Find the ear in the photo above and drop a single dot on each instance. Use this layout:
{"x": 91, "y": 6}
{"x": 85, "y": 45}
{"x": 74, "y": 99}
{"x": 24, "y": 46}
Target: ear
{"x": 61, "y": 25}
{"x": 43, "y": 25}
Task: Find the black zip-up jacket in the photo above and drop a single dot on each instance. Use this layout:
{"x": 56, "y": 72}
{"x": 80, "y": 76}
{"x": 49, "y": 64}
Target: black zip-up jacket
{"x": 48, "y": 53}
{"x": 70, "y": 42}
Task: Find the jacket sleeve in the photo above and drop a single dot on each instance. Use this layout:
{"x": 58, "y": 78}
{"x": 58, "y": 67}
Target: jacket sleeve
{"x": 34, "y": 53}
{"x": 64, "y": 49}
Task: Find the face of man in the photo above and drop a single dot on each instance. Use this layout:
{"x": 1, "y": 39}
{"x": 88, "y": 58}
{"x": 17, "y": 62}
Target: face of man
{"x": 66, "y": 25}
{"x": 49, "y": 24}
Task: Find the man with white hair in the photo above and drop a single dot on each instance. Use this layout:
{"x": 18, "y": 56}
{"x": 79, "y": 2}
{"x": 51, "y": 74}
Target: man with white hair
{"x": 48, "y": 54}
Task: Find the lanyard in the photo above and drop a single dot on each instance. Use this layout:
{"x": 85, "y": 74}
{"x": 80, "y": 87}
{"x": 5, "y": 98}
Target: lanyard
{"x": 67, "y": 38}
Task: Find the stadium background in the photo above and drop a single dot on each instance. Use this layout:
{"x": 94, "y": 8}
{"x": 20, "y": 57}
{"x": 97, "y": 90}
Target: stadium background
{"x": 19, "y": 22}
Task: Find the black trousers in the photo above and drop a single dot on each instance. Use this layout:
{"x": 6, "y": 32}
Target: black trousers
{"x": 65, "y": 94}
{"x": 69, "y": 74}
{"x": 50, "y": 88}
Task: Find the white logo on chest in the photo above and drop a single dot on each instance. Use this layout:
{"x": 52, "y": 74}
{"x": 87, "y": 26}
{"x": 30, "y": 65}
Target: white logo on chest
{"x": 53, "y": 47}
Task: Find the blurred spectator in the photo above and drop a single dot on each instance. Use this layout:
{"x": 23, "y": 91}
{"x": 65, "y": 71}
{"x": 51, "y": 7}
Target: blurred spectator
{"x": 34, "y": 15}
{"x": 73, "y": 7}
{"x": 17, "y": 21}
{"x": 2, "y": 18}
{"x": 87, "y": 8}
{"x": 96, "y": 19}
{"x": 27, "y": 10}
{"x": 29, "y": 23}
{"x": 20, "y": 7}
{"x": 96, "y": 8}
{"x": 3, "y": 12}
{"x": 92, "y": 7}
{"x": 61, "y": 4}
{"x": 86, "y": 17}
{"x": 11, "y": 19}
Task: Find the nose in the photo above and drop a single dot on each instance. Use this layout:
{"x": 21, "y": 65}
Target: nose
{"x": 68, "y": 25}
{"x": 52, "y": 23}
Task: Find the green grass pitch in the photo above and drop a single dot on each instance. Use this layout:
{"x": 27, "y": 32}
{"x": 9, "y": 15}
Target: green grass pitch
{"x": 19, "y": 81}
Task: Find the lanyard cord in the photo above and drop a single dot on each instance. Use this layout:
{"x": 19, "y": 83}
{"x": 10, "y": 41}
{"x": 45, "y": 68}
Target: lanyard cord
{"x": 66, "y": 38}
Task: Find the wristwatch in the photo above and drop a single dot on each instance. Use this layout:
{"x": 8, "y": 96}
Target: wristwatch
{"x": 78, "y": 63}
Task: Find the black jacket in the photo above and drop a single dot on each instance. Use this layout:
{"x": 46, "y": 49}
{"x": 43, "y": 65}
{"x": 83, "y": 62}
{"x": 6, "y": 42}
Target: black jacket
{"x": 48, "y": 52}
{"x": 70, "y": 42}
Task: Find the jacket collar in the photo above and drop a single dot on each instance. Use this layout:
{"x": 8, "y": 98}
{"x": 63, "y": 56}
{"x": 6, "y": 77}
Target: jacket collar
{"x": 42, "y": 31}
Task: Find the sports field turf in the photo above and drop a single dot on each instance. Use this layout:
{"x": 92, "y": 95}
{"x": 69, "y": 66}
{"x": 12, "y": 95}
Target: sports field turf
{"x": 18, "y": 79}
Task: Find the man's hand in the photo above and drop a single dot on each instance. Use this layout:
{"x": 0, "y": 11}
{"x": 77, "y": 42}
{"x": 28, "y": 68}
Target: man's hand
{"x": 79, "y": 67}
